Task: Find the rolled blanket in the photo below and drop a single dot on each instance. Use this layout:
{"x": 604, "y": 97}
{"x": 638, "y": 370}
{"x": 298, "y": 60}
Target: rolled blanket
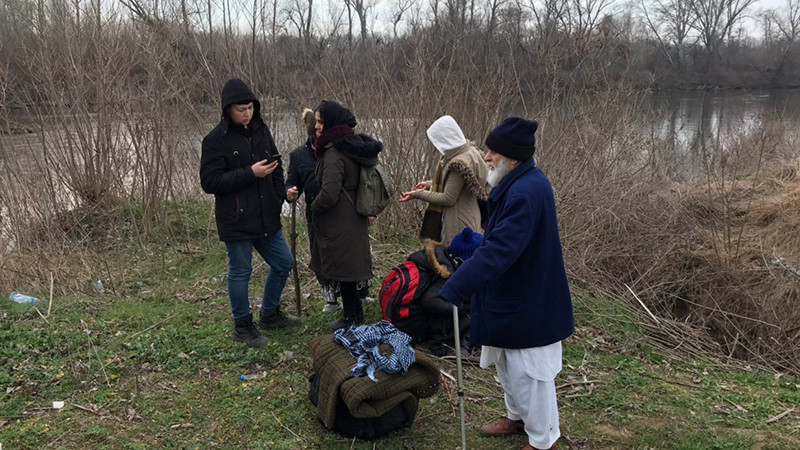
{"x": 363, "y": 397}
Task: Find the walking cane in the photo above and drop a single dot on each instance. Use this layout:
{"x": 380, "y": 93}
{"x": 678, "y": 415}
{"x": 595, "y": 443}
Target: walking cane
{"x": 457, "y": 329}
{"x": 293, "y": 237}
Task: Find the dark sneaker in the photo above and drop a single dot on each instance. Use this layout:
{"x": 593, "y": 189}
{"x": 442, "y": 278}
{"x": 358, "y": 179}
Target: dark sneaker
{"x": 247, "y": 332}
{"x": 345, "y": 322}
{"x": 450, "y": 351}
{"x": 340, "y": 323}
{"x": 277, "y": 320}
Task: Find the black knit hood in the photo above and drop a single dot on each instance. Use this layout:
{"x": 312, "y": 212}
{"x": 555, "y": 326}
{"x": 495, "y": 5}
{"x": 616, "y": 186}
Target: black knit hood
{"x": 333, "y": 114}
{"x": 235, "y": 92}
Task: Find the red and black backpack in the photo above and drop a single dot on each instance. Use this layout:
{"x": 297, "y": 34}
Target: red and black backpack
{"x": 399, "y": 296}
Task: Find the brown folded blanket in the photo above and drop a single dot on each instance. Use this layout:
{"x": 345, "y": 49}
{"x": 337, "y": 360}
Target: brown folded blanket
{"x": 364, "y": 397}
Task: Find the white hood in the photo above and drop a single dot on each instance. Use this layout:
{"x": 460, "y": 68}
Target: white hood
{"x": 445, "y": 134}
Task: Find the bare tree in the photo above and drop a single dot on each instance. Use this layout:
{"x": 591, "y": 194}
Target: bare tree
{"x": 670, "y": 22}
{"x": 493, "y": 8}
{"x": 586, "y": 14}
{"x": 714, "y": 19}
{"x": 456, "y": 12}
{"x": 782, "y": 30}
{"x": 551, "y": 19}
{"x": 400, "y": 8}
{"x": 253, "y": 18}
{"x": 349, "y": 23}
{"x": 361, "y": 8}
{"x": 308, "y": 18}
{"x": 299, "y": 13}
{"x": 434, "y": 11}
{"x": 787, "y": 21}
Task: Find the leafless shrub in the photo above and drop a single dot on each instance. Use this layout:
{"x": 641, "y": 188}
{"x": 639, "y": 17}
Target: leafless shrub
{"x": 716, "y": 252}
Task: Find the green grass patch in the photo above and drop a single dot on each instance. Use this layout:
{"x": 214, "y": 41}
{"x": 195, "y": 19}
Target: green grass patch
{"x": 149, "y": 363}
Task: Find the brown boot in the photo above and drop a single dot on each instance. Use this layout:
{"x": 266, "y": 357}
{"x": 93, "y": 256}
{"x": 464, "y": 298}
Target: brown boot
{"x": 503, "y": 427}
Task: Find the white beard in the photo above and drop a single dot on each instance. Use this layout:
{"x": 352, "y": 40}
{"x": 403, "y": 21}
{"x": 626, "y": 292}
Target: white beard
{"x": 497, "y": 173}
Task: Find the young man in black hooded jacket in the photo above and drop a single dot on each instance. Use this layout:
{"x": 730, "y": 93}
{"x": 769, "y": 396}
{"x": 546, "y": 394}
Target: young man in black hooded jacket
{"x": 241, "y": 166}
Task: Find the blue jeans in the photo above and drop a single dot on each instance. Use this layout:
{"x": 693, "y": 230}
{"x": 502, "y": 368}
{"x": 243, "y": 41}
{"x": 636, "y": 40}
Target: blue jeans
{"x": 276, "y": 253}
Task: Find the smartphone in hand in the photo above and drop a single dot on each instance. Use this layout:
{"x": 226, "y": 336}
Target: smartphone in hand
{"x": 272, "y": 158}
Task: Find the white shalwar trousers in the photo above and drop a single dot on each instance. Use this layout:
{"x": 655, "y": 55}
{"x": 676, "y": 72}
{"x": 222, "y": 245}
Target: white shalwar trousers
{"x": 529, "y": 387}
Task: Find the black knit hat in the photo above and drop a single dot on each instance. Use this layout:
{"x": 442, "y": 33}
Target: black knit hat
{"x": 514, "y": 138}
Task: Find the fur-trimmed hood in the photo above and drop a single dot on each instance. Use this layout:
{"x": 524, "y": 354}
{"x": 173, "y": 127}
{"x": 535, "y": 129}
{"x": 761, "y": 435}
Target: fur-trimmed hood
{"x": 361, "y": 148}
{"x": 468, "y": 162}
{"x": 437, "y": 258}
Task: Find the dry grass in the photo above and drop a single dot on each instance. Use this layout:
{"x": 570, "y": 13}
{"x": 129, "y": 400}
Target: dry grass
{"x": 716, "y": 255}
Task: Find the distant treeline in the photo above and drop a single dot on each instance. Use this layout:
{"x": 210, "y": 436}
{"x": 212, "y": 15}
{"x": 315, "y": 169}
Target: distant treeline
{"x": 292, "y": 48}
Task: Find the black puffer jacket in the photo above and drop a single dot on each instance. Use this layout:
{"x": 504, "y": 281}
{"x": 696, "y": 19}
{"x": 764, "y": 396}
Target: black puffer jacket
{"x": 246, "y": 207}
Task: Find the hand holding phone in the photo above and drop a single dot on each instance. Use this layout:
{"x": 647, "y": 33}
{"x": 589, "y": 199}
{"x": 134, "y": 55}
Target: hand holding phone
{"x": 264, "y": 167}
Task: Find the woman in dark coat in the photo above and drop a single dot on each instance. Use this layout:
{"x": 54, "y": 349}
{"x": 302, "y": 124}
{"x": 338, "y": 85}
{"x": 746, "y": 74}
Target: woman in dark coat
{"x": 301, "y": 179}
{"x": 340, "y": 250}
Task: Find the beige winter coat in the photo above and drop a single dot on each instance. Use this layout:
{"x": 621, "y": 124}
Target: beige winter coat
{"x": 464, "y": 182}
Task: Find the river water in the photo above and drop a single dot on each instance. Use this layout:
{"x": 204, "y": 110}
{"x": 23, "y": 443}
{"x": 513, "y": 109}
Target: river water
{"x": 691, "y": 119}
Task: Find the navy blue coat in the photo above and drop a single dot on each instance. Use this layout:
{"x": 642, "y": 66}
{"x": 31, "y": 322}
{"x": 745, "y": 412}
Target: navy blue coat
{"x": 516, "y": 278}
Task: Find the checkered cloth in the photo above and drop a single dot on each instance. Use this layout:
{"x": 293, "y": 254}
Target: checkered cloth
{"x": 362, "y": 343}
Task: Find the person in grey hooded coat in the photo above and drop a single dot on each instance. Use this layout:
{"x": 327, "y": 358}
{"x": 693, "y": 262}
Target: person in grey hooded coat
{"x": 458, "y": 183}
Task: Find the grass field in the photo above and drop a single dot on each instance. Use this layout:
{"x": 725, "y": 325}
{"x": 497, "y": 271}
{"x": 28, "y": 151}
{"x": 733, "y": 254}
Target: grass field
{"x": 149, "y": 363}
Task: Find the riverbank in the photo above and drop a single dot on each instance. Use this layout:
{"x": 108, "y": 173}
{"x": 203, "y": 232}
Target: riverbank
{"x": 148, "y": 362}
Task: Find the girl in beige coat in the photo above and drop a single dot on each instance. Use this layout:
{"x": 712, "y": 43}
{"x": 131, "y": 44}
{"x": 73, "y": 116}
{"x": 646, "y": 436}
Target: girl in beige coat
{"x": 459, "y": 183}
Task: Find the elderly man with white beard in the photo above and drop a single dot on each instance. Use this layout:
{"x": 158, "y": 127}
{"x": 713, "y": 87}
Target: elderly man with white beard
{"x": 521, "y": 305}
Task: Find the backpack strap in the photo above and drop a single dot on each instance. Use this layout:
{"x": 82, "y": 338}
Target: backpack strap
{"x": 348, "y": 196}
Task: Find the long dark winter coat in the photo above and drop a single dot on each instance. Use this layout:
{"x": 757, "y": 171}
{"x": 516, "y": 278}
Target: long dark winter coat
{"x": 341, "y": 244}
{"x": 246, "y": 207}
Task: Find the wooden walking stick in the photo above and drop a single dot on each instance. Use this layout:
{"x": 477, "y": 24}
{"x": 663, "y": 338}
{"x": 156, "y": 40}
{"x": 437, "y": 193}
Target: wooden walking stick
{"x": 293, "y": 237}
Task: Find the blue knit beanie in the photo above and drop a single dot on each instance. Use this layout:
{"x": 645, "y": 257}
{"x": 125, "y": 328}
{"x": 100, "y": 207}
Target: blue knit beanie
{"x": 465, "y": 243}
{"x": 514, "y": 138}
